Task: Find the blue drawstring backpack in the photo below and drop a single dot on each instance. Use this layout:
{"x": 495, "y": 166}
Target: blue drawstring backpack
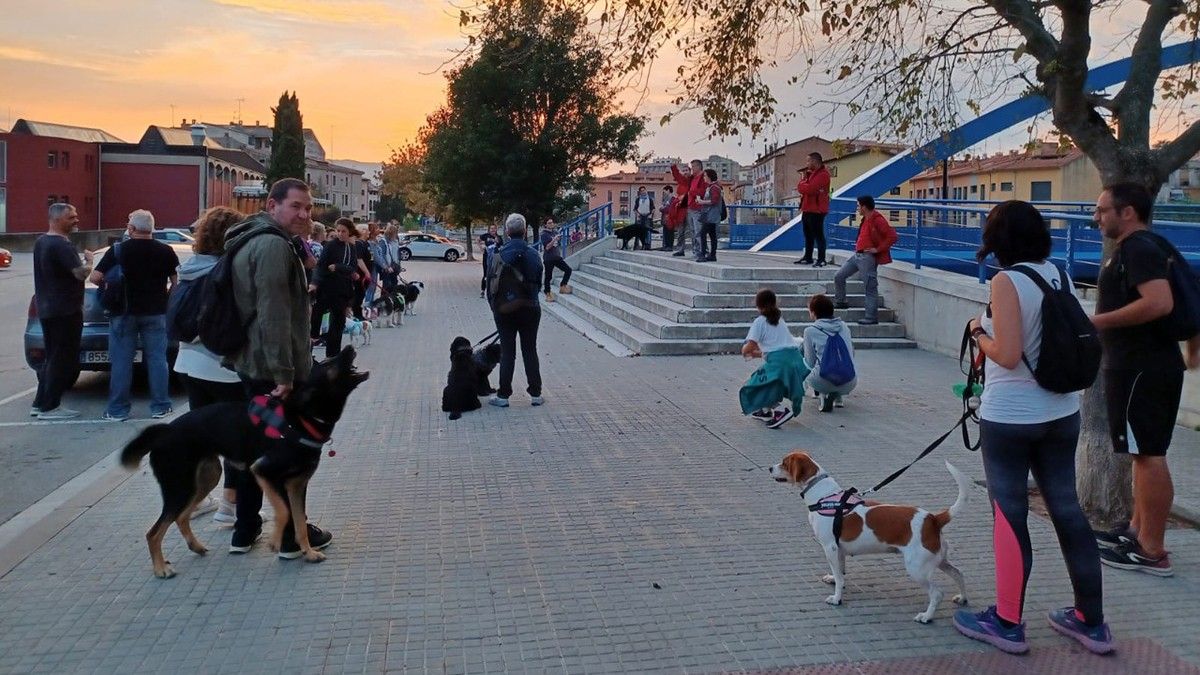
{"x": 837, "y": 368}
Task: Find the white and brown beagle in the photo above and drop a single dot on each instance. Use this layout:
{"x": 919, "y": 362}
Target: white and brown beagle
{"x": 871, "y": 527}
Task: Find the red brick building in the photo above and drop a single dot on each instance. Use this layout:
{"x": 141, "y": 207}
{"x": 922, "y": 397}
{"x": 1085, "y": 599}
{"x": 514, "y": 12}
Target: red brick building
{"x": 41, "y": 164}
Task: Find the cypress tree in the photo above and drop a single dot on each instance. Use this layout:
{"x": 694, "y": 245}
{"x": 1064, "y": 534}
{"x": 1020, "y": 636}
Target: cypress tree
{"x": 287, "y": 141}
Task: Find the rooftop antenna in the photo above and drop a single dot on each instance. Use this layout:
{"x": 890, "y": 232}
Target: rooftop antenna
{"x": 172, "y": 115}
{"x": 239, "y": 117}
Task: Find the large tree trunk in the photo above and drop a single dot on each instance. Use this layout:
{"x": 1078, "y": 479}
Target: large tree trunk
{"x": 470, "y": 238}
{"x": 1103, "y": 478}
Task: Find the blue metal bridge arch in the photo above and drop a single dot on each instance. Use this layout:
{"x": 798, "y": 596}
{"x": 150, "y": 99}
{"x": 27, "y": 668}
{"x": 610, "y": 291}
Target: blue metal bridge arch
{"x": 879, "y": 180}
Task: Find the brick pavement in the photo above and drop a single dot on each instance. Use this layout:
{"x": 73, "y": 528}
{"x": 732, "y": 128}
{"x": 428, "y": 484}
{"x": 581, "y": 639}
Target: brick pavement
{"x": 627, "y": 526}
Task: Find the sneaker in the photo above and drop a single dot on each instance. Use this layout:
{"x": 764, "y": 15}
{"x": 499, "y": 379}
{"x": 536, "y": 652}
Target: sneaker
{"x": 206, "y": 505}
{"x": 35, "y": 411}
{"x": 242, "y": 542}
{"x": 162, "y": 413}
{"x": 1132, "y": 557}
{"x": 565, "y": 290}
{"x": 537, "y": 400}
{"x": 481, "y": 294}
{"x": 841, "y": 305}
{"x": 986, "y": 627}
{"x": 59, "y": 413}
{"x": 109, "y": 417}
{"x": 867, "y": 322}
{"x": 1120, "y": 535}
{"x": 712, "y": 258}
{"x": 317, "y": 538}
{"x": 763, "y": 415}
{"x": 1097, "y": 639}
{"x": 549, "y": 296}
{"x": 678, "y": 254}
{"x": 802, "y": 261}
{"x": 819, "y": 263}
{"x": 827, "y": 403}
{"x": 226, "y": 513}
{"x": 780, "y": 416}
{"x": 498, "y": 401}
{"x": 838, "y": 402}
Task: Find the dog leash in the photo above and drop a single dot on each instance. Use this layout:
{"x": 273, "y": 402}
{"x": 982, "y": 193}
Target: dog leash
{"x": 495, "y": 335}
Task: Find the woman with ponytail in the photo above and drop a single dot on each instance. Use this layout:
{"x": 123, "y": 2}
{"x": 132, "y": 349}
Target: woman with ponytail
{"x": 783, "y": 371}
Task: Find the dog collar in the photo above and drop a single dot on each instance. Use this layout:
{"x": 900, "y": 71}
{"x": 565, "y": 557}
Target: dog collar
{"x": 267, "y": 413}
{"x": 811, "y": 482}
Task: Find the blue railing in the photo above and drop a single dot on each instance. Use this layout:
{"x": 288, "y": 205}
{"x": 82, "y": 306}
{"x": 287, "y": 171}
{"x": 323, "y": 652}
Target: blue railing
{"x": 585, "y": 228}
{"x": 749, "y": 223}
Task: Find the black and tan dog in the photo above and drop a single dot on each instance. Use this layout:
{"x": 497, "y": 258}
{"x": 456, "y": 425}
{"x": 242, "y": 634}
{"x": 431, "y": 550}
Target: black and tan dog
{"x": 280, "y": 441}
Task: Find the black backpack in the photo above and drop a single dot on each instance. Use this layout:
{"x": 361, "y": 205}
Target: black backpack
{"x": 508, "y": 291}
{"x": 1183, "y": 323}
{"x": 183, "y": 309}
{"x": 1069, "y": 358}
{"x": 114, "y": 296}
{"x": 221, "y": 327}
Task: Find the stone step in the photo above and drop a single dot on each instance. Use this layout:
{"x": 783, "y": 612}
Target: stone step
{"x": 571, "y": 309}
{"x": 769, "y": 270}
{"x": 662, "y": 328}
{"x": 690, "y": 297}
{"x": 793, "y": 312}
{"x": 702, "y": 284}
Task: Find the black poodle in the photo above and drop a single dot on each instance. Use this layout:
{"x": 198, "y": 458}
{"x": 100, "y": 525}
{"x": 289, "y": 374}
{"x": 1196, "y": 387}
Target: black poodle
{"x": 486, "y": 360}
{"x": 460, "y": 394}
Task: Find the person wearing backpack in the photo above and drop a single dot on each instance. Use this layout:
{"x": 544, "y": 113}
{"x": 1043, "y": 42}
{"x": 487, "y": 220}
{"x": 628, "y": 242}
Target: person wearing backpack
{"x": 710, "y": 214}
{"x": 875, "y": 238}
{"x": 147, "y": 273}
{"x": 783, "y": 372}
{"x": 829, "y": 354}
{"x": 1025, "y": 427}
{"x": 513, "y": 280}
{"x": 204, "y": 378}
{"x": 1137, "y": 316}
{"x": 270, "y": 292}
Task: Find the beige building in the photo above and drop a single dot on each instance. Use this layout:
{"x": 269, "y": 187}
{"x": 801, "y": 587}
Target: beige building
{"x": 1042, "y": 174}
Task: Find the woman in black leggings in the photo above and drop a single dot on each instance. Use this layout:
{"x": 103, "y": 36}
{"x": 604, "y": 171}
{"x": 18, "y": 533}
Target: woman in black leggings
{"x": 1026, "y": 428}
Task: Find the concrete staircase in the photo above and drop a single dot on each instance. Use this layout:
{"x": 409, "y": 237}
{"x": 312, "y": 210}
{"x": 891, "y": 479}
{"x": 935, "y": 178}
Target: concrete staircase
{"x": 651, "y": 303}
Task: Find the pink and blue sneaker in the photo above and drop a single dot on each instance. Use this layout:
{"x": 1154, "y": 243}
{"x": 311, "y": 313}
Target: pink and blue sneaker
{"x": 1097, "y": 639}
{"x": 986, "y": 627}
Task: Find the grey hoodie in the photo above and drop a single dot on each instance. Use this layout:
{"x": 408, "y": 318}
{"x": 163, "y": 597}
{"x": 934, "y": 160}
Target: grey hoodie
{"x": 816, "y": 335}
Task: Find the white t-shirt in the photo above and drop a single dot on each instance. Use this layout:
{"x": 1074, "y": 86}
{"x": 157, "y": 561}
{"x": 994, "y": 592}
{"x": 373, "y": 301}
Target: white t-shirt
{"x": 770, "y": 338}
{"x": 1013, "y": 396}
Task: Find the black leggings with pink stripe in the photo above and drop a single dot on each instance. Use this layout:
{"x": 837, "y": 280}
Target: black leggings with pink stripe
{"x": 1010, "y": 453}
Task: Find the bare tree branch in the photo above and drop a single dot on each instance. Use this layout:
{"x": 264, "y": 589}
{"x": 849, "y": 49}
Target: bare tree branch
{"x": 1176, "y": 153}
{"x": 1133, "y": 101}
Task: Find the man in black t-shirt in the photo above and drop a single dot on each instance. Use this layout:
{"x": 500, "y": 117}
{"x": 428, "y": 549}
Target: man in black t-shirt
{"x": 148, "y": 267}
{"x": 1143, "y": 370}
{"x": 58, "y": 277}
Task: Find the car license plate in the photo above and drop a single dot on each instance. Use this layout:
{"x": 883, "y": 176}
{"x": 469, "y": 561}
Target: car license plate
{"x": 102, "y": 357}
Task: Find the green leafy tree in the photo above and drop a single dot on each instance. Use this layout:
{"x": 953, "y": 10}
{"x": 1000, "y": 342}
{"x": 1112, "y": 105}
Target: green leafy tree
{"x": 390, "y": 207}
{"x": 529, "y": 112}
{"x": 287, "y": 141}
{"x": 913, "y": 69}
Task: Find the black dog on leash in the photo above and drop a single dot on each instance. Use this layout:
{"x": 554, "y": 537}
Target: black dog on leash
{"x": 460, "y": 394}
{"x": 280, "y": 442}
{"x": 635, "y": 232}
{"x": 486, "y": 360}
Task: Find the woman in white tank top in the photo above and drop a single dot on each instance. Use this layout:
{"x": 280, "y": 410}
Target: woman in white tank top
{"x": 1025, "y": 428}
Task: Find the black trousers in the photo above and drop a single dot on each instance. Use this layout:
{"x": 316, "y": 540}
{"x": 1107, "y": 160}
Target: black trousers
{"x": 483, "y": 280}
{"x": 356, "y": 306}
{"x": 668, "y": 238}
{"x": 61, "y": 336}
{"x": 814, "y": 233}
{"x": 337, "y": 322}
{"x": 708, "y": 235}
{"x": 203, "y": 392}
{"x": 648, "y": 223}
{"x": 525, "y": 324}
{"x": 549, "y": 273}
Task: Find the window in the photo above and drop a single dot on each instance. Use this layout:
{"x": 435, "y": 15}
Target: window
{"x": 89, "y": 163}
{"x": 1006, "y": 187}
{"x": 66, "y": 161}
{"x": 1039, "y": 191}
{"x": 896, "y": 192}
{"x": 974, "y": 189}
{"x": 610, "y": 195}
{"x": 3, "y": 165}
{"x": 624, "y": 195}
{"x": 52, "y": 160}
{"x": 345, "y": 200}
{"x": 3, "y": 208}
{"x": 993, "y": 187}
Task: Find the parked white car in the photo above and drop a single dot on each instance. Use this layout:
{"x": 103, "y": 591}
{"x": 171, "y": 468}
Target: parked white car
{"x": 430, "y": 246}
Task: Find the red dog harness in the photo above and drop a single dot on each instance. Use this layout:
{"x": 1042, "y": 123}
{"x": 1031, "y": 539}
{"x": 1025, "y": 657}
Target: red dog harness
{"x": 266, "y": 414}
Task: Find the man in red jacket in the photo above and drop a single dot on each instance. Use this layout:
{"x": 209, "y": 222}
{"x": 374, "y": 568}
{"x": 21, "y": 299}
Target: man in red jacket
{"x": 875, "y": 239}
{"x": 814, "y": 204}
{"x": 692, "y": 185}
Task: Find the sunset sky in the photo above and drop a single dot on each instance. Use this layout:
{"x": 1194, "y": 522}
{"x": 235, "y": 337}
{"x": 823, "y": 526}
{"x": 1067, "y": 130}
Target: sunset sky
{"x": 366, "y": 71}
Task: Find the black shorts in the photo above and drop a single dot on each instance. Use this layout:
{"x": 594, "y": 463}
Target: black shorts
{"x": 1142, "y": 406}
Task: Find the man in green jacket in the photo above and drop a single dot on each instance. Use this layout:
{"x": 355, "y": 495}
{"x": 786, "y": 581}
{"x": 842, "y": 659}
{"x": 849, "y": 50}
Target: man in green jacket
{"x": 272, "y": 291}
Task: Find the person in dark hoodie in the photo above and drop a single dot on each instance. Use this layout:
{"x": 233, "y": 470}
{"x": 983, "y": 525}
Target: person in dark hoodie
{"x": 522, "y": 321}
{"x": 271, "y": 289}
{"x": 333, "y": 283}
{"x": 204, "y": 379}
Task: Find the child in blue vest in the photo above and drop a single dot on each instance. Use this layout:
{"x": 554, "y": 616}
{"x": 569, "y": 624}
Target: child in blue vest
{"x": 783, "y": 371}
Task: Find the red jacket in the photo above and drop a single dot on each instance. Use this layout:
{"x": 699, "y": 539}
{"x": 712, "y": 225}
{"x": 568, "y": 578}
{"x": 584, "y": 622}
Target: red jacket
{"x": 877, "y": 233}
{"x": 814, "y": 191}
{"x": 693, "y": 187}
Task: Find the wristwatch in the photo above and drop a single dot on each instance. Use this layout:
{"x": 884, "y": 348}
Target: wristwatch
{"x": 978, "y": 332}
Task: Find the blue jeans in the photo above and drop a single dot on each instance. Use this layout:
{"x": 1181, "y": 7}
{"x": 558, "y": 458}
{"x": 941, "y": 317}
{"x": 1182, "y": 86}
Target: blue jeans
{"x": 123, "y": 334}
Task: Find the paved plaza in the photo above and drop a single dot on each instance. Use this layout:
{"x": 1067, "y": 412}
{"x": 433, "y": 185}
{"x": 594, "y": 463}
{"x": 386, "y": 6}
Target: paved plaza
{"x": 628, "y": 525}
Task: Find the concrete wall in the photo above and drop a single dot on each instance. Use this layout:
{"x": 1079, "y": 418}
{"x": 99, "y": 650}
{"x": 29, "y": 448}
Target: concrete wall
{"x": 934, "y": 307}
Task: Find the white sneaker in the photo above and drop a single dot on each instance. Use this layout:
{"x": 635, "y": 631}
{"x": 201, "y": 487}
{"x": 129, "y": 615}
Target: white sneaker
{"x": 35, "y": 411}
{"x": 537, "y": 400}
{"x": 59, "y": 413}
{"x": 226, "y": 513}
{"x": 498, "y": 402}
{"x": 207, "y": 505}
